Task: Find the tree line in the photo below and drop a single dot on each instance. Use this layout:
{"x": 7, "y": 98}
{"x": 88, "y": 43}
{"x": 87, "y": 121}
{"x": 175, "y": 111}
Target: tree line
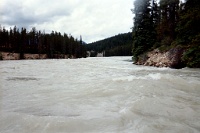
{"x": 55, "y": 45}
{"x": 118, "y": 45}
{"x": 166, "y": 24}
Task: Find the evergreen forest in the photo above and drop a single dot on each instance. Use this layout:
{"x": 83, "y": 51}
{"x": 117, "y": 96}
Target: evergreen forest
{"x": 55, "y": 45}
{"x": 167, "y": 24}
{"x": 118, "y": 45}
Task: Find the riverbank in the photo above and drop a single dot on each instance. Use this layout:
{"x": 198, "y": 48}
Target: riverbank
{"x": 28, "y": 56}
{"x": 171, "y": 58}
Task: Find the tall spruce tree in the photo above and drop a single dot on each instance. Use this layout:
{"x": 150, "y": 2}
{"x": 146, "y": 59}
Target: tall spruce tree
{"x": 188, "y": 26}
{"x": 144, "y": 31}
{"x": 168, "y": 20}
{"x": 188, "y": 31}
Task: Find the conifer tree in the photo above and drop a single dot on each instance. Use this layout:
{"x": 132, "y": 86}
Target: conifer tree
{"x": 188, "y": 31}
{"x": 168, "y": 20}
{"x": 143, "y": 31}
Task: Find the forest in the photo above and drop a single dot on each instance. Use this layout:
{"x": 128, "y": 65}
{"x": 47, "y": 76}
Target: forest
{"x": 118, "y": 45}
{"x": 167, "y": 24}
{"x": 55, "y": 45}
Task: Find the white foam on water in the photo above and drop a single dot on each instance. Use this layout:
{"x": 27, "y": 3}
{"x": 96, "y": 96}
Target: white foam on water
{"x": 156, "y": 76}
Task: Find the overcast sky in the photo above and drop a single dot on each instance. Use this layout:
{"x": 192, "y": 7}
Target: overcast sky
{"x": 93, "y": 19}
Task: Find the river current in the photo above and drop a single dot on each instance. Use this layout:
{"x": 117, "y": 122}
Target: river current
{"x": 96, "y": 95}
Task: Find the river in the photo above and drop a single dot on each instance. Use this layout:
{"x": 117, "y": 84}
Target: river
{"x": 107, "y": 94}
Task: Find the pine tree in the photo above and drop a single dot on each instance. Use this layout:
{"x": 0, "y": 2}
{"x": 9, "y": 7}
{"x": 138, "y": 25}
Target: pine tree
{"x": 35, "y": 42}
{"x": 188, "y": 31}
{"x": 168, "y": 20}
{"x": 143, "y": 31}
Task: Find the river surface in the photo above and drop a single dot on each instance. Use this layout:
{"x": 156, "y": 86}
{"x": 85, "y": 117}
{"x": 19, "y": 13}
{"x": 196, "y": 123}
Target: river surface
{"x": 97, "y": 95}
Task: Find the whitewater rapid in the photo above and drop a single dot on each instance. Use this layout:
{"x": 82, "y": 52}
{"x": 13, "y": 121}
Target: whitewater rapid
{"x": 97, "y": 95}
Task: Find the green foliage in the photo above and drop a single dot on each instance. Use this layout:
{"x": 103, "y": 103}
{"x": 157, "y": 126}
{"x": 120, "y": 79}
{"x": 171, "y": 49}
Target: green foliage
{"x": 165, "y": 44}
{"x": 124, "y": 50}
{"x": 192, "y": 56}
{"x": 143, "y": 57}
{"x": 1, "y": 58}
{"x": 54, "y": 45}
{"x": 169, "y": 10}
{"x": 188, "y": 32}
{"x": 119, "y": 45}
{"x": 174, "y": 24}
{"x": 188, "y": 26}
{"x": 144, "y": 34}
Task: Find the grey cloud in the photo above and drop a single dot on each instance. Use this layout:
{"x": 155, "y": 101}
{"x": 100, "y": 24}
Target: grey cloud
{"x": 14, "y": 15}
{"x": 17, "y": 18}
{"x": 93, "y": 19}
{"x": 19, "y": 15}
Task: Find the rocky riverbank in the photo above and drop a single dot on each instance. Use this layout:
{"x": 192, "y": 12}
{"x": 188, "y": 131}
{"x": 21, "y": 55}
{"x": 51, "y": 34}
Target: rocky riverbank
{"x": 27, "y": 56}
{"x": 171, "y": 58}
{"x": 16, "y": 56}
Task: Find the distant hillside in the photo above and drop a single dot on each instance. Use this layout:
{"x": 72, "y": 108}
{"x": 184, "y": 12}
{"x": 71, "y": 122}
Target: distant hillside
{"x": 119, "y": 45}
